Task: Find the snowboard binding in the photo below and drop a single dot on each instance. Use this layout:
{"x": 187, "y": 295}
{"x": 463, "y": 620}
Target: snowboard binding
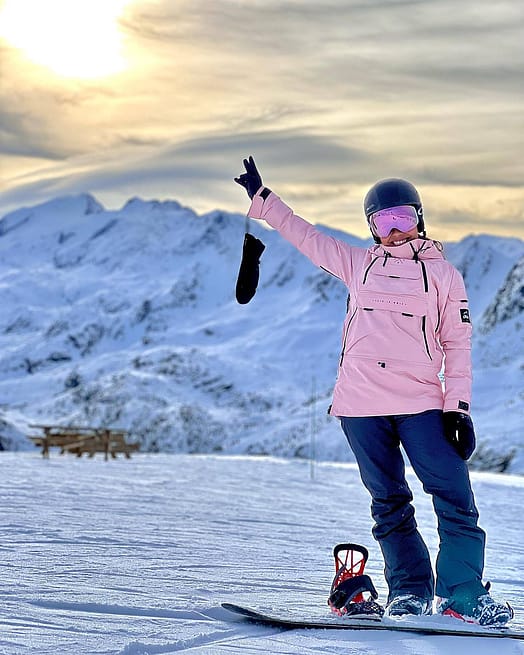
{"x": 350, "y": 582}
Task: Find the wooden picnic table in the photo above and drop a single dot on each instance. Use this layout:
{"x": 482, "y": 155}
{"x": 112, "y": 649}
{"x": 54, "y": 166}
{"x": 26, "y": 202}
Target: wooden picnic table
{"x": 81, "y": 439}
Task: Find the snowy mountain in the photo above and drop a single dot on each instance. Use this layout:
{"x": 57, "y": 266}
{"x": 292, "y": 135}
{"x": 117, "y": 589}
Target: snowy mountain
{"x": 128, "y": 318}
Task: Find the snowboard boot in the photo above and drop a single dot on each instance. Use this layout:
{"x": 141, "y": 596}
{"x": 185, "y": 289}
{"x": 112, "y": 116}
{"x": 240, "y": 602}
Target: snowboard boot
{"x": 409, "y": 604}
{"x": 471, "y": 602}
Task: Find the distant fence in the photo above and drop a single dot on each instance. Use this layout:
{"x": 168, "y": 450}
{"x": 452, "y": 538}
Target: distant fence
{"x": 80, "y": 440}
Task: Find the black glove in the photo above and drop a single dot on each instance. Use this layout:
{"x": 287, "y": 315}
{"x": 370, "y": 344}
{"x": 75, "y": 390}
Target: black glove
{"x": 247, "y": 281}
{"x": 458, "y": 430}
{"x": 251, "y": 179}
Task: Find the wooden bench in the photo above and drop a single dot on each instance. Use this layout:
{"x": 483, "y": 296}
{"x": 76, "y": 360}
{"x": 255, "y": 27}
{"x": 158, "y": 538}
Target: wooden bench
{"x": 80, "y": 440}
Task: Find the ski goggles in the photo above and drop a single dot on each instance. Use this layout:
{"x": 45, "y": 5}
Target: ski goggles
{"x": 403, "y": 218}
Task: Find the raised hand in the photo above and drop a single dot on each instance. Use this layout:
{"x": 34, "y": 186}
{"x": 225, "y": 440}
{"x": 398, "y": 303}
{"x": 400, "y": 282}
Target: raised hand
{"x": 251, "y": 179}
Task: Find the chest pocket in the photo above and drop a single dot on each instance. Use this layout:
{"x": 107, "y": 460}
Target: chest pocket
{"x": 395, "y": 285}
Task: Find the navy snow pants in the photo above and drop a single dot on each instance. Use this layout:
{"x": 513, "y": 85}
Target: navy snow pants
{"x": 375, "y": 441}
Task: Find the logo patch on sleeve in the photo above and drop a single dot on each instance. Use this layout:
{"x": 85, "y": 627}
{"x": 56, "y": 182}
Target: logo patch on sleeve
{"x": 462, "y": 404}
{"x": 464, "y": 316}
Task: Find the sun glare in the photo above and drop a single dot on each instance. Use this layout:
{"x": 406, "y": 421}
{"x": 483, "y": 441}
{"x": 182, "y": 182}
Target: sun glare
{"x": 74, "y": 38}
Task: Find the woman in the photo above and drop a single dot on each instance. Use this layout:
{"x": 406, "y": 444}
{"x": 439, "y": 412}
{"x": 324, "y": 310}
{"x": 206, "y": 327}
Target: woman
{"x": 407, "y": 315}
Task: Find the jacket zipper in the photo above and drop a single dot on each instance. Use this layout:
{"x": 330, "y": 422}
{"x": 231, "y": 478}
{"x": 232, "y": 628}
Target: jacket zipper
{"x": 425, "y": 337}
{"x": 438, "y": 321}
{"x": 424, "y": 275}
{"x": 426, "y": 290}
{"x": 368, "y": 269}
{"x": 346, "y": 337}
{"x": 326, "y": 270}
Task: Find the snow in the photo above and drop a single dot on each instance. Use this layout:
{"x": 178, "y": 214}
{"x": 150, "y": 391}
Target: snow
{"x": 134, "y": 557}
{"x": 127, "y": 318}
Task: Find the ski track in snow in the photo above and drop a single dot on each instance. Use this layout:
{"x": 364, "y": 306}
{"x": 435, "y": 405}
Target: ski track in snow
{"x": 134, "y": 557}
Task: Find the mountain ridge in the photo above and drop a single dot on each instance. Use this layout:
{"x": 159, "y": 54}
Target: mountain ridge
{"x": 128, "y": 316}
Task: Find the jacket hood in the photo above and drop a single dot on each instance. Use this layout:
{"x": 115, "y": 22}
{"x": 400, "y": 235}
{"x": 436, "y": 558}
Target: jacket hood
{"x": 415, "y": 249}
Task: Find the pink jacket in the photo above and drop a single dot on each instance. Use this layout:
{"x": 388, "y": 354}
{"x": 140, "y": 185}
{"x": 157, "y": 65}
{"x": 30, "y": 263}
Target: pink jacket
{"x": 408, "y": 309}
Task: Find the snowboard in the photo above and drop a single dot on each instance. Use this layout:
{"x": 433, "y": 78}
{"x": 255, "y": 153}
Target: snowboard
{"x": 426, "y": 625}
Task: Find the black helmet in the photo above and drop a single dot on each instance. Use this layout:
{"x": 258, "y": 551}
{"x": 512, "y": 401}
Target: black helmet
{"x": 393, "y": 192}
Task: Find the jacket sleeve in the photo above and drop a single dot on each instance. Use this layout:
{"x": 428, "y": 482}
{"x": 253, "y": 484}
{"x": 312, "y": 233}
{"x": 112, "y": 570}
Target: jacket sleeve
{"x": 330, "y": 254}
{"x": 455, "y": 338}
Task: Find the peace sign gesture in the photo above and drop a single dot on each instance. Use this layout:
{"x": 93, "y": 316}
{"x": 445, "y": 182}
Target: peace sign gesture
{"x": 251, "y": 179}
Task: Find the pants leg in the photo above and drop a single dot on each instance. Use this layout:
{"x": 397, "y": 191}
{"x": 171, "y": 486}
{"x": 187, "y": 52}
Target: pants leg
{"x": 375, "y": 442}
{"x": 445, "y": 476}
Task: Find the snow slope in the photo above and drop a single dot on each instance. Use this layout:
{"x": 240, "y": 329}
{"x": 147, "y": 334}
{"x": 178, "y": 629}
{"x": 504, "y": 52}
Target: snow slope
{"x": 134, "y": 557}
{"x": 128, "y": 318}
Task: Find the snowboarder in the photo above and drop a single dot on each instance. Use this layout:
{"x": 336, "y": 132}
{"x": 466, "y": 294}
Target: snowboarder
{"x": 407, "y": 314}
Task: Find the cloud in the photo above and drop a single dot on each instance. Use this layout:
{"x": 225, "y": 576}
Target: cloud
{"x": 328, "y": 97}
{"x": 204, "y": 160}
{"x": 18, "y": 138}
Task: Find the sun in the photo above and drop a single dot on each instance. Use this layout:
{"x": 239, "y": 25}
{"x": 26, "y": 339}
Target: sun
{"x": 73, "y": 38}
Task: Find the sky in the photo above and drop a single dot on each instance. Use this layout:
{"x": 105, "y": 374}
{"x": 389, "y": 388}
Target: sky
{"x": 163, "y": 99}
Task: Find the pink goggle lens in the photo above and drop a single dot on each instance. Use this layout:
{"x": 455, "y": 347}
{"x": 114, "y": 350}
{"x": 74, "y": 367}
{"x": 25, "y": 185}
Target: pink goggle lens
{"x": 403, "y": 218}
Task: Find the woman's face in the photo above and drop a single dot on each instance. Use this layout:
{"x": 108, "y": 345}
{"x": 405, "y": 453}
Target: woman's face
{"x": 397, "y": 238}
